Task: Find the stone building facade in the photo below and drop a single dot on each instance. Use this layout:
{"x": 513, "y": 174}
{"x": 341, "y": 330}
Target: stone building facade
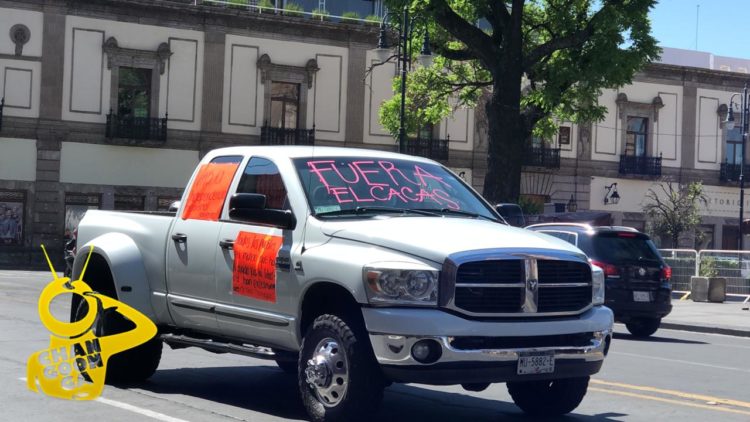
{"x": 110, "y": 104}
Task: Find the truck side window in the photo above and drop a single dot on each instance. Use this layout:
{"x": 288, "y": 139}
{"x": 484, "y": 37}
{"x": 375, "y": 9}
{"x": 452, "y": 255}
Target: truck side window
{"x": 262, "y": 176}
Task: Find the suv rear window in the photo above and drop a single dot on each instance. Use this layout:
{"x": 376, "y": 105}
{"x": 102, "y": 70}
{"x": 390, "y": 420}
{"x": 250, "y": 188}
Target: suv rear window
{"x": 621, "y": 248}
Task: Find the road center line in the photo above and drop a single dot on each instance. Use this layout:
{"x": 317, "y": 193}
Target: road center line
{"x": 687, "y": 362}
{"x": 134, "y": 409}
{"x": 670, "y": 401}
{"x": 691, "y": 396}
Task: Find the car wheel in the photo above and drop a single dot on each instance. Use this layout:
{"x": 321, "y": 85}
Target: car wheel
{"x": 549, "y": 397}
{"x": 339, "y": 378}
{"x": 643, "y": 327}
{"x": 129, "y": 366}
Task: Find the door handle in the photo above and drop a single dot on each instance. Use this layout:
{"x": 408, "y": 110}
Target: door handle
{"x": 226, "y": 244}
{"x": 179, "y": 237}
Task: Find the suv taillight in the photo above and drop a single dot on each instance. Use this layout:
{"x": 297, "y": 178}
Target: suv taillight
{"x": 609, "y": 269}
{"x": 666, "y": 273}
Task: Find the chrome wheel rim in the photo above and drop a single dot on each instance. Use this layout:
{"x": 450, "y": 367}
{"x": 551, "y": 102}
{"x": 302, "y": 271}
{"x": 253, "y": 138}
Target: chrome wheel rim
{"x": 327, "y": 372}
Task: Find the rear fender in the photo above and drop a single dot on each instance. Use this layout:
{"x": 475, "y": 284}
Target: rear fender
{"x": 126, "y": 266}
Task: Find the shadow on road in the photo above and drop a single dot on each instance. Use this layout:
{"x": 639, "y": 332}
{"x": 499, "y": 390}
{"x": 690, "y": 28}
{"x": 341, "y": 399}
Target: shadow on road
{"x": 654, "y": 339}
{"x": 266, "y": 389}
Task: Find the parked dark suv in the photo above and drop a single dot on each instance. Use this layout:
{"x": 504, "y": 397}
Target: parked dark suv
{"x": 637, "y": 286}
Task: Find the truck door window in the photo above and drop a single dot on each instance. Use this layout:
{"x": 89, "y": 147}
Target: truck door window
{"x": 262, "y": 176}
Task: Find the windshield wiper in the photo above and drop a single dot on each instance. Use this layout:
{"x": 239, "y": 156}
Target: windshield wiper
{"x": 459, "y": 212}
{"x": 376, "y": 210}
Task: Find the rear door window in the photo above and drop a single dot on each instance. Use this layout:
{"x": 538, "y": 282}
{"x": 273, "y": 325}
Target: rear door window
{"x": 623, "y": 248}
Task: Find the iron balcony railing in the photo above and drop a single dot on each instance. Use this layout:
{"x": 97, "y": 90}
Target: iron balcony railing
{"x": 730, "y": 172}
{"x": 141, "y": 128}
{"x": 542, "y": 157}
{"x": 283, "y": 136}
{"x": 639, "y": 164}
{"x": 435, "y": 149}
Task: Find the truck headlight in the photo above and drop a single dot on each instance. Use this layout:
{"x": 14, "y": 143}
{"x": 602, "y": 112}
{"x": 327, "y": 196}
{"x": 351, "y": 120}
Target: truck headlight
{"x": 399, "y": 283}
{"x": 597, "y": 285}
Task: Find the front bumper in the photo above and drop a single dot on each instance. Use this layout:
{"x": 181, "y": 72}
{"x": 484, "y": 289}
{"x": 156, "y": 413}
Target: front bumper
{"x": 393, "y": 332}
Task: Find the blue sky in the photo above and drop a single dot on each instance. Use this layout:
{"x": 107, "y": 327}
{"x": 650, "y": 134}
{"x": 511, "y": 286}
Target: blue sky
{"x": 723, "y": 26}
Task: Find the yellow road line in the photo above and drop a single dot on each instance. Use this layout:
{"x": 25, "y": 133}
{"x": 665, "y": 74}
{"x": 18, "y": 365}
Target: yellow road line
{"x": 670, "y": 401}
{"x": 681, "y": 394}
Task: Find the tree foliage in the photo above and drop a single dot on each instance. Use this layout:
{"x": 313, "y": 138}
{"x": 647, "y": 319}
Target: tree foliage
{"x": 538, "y": 60}
{"x": 674, "y": 211}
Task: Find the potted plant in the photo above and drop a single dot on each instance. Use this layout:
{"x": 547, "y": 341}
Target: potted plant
{"x": 707, "y": 286}
{"x": 351, "y": 17}
{"x": 293, "y": 9}
{"x": 320, "y": 14}
{"x": 372, "y": 19}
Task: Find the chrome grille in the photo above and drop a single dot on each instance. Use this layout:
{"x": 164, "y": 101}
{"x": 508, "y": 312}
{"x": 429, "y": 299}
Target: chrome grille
{"x": 506, "y": 286}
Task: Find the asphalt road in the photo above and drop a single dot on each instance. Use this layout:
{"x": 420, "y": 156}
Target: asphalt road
{"x": 675, "y": 375}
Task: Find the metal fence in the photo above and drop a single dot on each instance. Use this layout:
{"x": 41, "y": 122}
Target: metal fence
{"x": 684, "y": 263}
{"x": 734, "y": 266}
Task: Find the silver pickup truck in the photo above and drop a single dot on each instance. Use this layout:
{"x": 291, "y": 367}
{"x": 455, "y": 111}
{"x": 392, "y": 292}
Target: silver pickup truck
{"x": 352, "y": 269}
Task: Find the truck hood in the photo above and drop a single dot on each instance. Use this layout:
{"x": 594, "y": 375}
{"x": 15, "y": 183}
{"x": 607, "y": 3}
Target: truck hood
{"x": 436, "y": 238}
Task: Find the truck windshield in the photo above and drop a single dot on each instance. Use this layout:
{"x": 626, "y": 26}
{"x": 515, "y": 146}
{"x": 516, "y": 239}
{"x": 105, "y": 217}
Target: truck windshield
{"x": 364, "y": 186}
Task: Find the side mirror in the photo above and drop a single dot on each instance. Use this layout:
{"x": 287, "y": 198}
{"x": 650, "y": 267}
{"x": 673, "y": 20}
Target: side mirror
{"x": 174, "y": 206}
{"x": 251, "y": 208}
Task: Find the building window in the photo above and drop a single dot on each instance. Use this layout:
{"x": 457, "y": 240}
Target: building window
{"x": 76, "y": 205}
{"x": 734, "y": 146}
{"x": 284, "y": 105}
{"x": 129, "y": 202}
{"x": 134, "y": 92}
{"x": 636, "y": 136}
{"x": 12, "y": 206}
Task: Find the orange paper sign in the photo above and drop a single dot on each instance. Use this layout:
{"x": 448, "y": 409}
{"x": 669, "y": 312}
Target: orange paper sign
{"x": 209, "y": 190}
{"x": 254, "y": 273}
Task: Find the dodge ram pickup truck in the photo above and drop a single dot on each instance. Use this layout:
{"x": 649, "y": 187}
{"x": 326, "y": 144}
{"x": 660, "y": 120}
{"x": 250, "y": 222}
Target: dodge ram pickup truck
{"x": 352, "y": 269}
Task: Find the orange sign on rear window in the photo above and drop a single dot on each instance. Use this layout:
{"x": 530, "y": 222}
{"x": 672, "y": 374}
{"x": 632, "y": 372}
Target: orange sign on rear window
{"x": 254, "y": 273}
{"x": 209, "y": 190}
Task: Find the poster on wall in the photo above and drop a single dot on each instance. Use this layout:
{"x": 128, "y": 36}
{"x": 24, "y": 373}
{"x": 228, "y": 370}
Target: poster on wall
{"x": 76, "y": 206}
{"x": 11, "y": 217}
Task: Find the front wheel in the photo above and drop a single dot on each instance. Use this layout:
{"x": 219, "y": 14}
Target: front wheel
{"x": 339, "y": 379}
{"x": 549, "y": 398}
{"x": 643, "y": 327}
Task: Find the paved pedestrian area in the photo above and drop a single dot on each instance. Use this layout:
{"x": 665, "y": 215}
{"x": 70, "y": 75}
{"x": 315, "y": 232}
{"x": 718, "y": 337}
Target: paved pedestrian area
{"x": 732, "y": 318}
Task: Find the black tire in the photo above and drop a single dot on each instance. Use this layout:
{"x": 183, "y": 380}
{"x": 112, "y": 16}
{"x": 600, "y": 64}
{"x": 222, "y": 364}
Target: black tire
{"x": 643, "y": 327}
{"x": 130, "y": 366}
{"x": 549, "y": 398}
{"x": 361, "y": 394}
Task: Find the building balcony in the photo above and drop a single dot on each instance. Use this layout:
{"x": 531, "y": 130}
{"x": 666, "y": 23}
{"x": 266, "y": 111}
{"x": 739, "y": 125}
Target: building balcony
{"x": 542, "y": 157}
{"x": 435, "y": 149}
{"x": 137, "y": 128}
{"x": 730, "y": 172}
{"x": 640, "y": 165}
{"x": 282, "y": 136}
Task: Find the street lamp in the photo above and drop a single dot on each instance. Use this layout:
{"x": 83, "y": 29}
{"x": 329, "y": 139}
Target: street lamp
{"x": 729, "y": 124}
{"x": 403, "y": 55}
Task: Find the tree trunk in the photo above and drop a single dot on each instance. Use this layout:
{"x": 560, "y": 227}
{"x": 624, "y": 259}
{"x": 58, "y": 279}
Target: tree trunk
{"x": 507, "y": 138}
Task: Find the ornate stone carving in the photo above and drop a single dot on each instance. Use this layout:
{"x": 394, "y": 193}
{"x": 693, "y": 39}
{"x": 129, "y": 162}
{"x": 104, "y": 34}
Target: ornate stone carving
{"x": 20, "y": 35}
{"x": 118, "y": 56}
{"x": 268, "y": 70}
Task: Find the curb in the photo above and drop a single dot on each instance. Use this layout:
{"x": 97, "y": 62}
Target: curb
{"x": 705, "y": 329}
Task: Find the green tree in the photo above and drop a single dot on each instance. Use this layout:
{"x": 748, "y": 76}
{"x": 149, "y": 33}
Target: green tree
{"x": 674, "y": 211}
{"x": 537, "y": 59}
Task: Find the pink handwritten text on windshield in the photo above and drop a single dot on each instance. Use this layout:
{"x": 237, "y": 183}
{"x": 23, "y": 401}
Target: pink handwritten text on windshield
{"x": 381, "y": 181}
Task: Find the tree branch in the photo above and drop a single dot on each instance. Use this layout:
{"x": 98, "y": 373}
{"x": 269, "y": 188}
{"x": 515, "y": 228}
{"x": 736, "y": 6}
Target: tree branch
{"x": 498, "y": 15}
{"x": 571, "y": 40}
{"x": 452, "y": 54}
{"x": 473, "y": 37}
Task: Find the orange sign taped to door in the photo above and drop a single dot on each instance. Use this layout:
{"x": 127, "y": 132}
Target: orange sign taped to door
{"x": 209, "y": 190}
{"x": 254, "y": 272}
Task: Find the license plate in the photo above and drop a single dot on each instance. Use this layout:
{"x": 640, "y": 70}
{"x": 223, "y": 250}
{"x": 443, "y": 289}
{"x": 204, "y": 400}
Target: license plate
{"x": 641, "y": 296}
{"x": 536, "y": 363}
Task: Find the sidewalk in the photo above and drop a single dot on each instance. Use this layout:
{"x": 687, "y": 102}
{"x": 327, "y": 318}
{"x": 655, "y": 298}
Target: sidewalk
{"x": 705, "y": 317}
